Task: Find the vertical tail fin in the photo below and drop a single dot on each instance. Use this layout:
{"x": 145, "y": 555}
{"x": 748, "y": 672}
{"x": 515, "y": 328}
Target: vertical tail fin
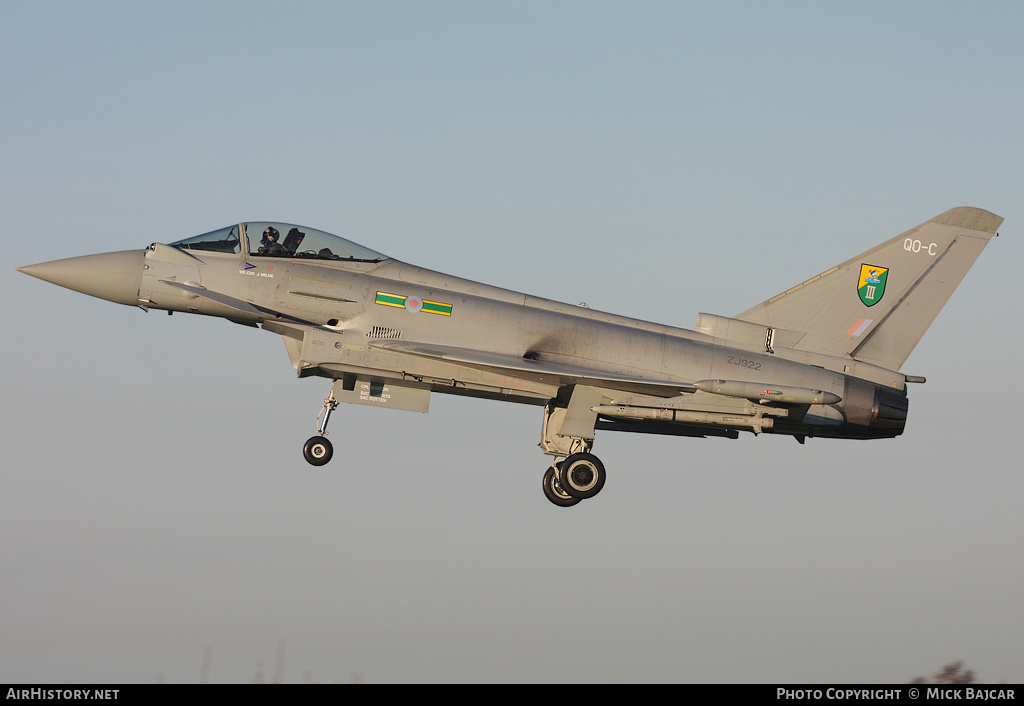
{"x": 876, "y": 306}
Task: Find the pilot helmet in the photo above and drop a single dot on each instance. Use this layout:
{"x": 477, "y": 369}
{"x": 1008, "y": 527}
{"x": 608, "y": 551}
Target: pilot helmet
{"x": 270, "y": 235}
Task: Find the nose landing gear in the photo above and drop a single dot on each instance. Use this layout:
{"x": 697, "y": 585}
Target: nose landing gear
{"x": 318, "y": 450}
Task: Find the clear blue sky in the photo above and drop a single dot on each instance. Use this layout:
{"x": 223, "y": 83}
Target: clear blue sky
{"x": 652, "y": 159}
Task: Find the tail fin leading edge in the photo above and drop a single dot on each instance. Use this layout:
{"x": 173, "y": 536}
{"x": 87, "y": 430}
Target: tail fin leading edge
{"x": 877, "y": 306}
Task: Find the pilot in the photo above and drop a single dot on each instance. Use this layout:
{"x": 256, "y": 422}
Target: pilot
{"x": 271, "y": 241}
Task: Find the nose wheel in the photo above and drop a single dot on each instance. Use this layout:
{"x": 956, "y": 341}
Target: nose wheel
{"x": 318, "y": 450}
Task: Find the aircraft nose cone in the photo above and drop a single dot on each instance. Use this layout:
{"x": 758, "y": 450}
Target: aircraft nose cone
{"x": 114, "y": 276}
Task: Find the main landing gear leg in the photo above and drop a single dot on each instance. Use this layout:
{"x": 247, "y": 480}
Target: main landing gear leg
{"x": 576, "y": 473}
{"x": 318, "y": 450}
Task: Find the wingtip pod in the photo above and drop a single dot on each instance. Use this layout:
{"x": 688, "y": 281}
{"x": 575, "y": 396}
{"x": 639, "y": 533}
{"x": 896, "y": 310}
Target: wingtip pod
{"x": 970, "y": 218}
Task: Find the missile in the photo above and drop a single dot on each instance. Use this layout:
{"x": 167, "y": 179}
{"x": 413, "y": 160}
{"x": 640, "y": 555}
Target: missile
{"x": 754, "y": 421}
{"x": 761, "y": 392}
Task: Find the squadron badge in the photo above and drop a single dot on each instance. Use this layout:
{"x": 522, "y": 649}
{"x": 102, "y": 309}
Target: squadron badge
{"x": 871, "y": 285}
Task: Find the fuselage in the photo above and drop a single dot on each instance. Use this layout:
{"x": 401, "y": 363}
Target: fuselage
{"x": 820, "y": 359}
{"x": 338, "y": 316}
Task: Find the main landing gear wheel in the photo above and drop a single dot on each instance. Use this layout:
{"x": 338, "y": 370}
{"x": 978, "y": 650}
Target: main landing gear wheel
{"x": 318, "y": 450}
{"x": 581, "y": 475}
{"x": 553, "y": 491}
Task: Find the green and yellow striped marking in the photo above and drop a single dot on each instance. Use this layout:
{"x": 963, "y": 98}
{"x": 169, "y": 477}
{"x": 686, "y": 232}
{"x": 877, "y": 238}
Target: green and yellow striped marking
{"x": 437, "y": 308}
{"x": 424, "y": 305}
{"x": 390, "y": 300}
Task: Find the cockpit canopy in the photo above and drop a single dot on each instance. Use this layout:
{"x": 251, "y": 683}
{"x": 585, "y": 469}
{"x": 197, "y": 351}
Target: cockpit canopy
{"x": 267, "y": 239}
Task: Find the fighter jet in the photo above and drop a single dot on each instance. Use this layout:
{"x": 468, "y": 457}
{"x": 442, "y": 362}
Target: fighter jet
{"x": 819, "y": 360}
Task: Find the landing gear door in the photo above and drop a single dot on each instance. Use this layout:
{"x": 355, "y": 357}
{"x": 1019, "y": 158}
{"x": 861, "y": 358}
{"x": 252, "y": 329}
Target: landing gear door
{"x": 379, "y": 393}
